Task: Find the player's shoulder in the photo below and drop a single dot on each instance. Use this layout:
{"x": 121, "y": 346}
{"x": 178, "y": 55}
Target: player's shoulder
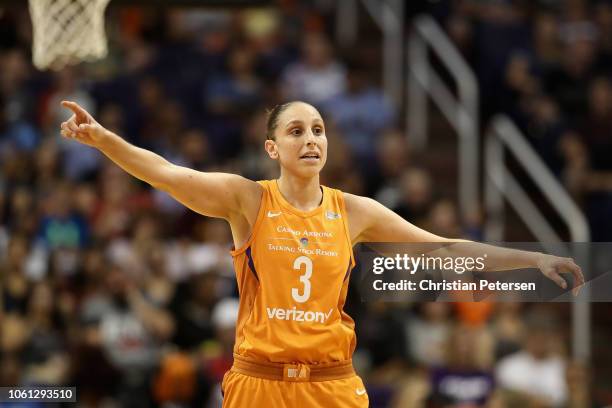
{"x": 356, "y": 203}
{"x": 247, "y": 187}
{"x": 360, "y": 212}
{"x": 360, "y": 208}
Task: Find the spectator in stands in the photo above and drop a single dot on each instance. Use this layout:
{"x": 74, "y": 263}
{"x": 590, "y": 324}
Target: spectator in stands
{"x": 589, "y": 168}
{"x": 442, "y": 219}
{"x": 15, "y": 286}
{"x": 428, "y": 333}
{"x": 341, "y": 169}
{"x": 602, "y": 15}
{"x": 392, "y": 157}
{"x": 193, "y": 150}
{"x": 263, "y": 34}
{"x": 230, "y": 97}
{"x": 546, "y": 40}
{"x": 118, "y": 202}
{"x": 238, "y": 89}
{"x": 383, "y": 349}
{"x": 508, "y": 328}
{"x": 250, "y": 159}
{"x": 596, "y": 127}
{"x": 21, "y": 206}
{"x": 383, "y": 337}
{"x": 61, "y": 226}
{"x": 520, "y": 86}
{"x": 568, "y": 82}
{"x": 4, "y": 230}
{"x": 361, "y": 113}
{"x": 15, "y": 72}
{"x": 461, "y": 33}
{"x": 217, "y": 363}
{"x": 192, "y": 308}
{"x": 15, "y": 134}
{"x": 537, "y": 371}
{"x": 317, "y": 77}
{"x": 463, "y": 380}
{"x": 46, "y": 360}
{"x": 47, "y": 167}
{"x": 546, "y": 129}
{"x": 502, "y": 30}
{"x": 416, "y": 195}
{"x": 150, "y": 99}
{"x": 132, "y": 331}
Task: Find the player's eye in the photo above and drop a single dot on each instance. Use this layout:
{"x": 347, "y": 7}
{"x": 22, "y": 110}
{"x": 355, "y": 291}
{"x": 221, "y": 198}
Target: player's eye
{"x": 318, "y": 130}
{"x": 296, "y": 132}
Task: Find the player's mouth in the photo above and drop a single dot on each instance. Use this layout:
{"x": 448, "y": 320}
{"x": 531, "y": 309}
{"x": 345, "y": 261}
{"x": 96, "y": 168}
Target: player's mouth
{"x": 312, "y": 157}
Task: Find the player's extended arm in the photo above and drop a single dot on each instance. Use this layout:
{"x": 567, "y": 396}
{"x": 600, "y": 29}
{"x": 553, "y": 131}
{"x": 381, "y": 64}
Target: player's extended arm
{"x": 373, "y": 222}
{"x": 214, "y": 194}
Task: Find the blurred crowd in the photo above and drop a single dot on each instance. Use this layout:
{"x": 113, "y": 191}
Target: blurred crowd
{"x": 115, "y": 288}
{"x": 548, "y": 65}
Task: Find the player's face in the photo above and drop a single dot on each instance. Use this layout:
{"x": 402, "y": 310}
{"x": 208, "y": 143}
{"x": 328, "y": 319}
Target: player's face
{"x": 301, "y": 144}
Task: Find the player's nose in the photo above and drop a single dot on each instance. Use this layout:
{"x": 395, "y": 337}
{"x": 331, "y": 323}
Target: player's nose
{"x": 311, "y": 139}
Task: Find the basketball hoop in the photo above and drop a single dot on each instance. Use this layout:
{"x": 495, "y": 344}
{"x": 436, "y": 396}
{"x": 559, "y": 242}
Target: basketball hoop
{"x": 67, "y": 32}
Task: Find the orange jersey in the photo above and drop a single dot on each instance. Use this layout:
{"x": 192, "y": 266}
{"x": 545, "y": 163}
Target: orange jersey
{"x": 292, "y": 277}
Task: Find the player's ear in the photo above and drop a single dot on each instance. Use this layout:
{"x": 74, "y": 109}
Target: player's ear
{"x": 271, "y": 148}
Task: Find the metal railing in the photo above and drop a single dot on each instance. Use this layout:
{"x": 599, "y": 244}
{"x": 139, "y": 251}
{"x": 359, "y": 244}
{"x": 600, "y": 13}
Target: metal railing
{"x": 461, "y": 111}
{"x": 500, "y": 184}
{"x": 346, "y": 24}
{"x": 389, "y": 17}
{"x": 504, "y": 133}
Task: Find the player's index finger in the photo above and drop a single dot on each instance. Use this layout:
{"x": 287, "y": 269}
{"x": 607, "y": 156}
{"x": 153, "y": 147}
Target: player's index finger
{"x": 73, "y": 106}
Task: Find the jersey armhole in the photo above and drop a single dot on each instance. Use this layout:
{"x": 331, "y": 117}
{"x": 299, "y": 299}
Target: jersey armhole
{"x": 345, "y": 222}
{"x": 258, "y": 220}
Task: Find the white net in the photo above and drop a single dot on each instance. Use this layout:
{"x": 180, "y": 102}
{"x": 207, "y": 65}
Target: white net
{"x": 67, "y": 32}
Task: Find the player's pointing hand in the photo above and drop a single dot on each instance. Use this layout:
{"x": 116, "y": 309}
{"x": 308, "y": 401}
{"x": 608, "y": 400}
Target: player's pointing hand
{"x": 81, "y": 126}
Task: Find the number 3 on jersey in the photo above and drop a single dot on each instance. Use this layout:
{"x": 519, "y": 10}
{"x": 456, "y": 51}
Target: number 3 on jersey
{"x": 305, "y": 279}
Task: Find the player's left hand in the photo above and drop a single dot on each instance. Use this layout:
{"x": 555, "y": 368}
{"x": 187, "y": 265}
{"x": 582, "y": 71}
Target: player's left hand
{"x": 553, "y": 266}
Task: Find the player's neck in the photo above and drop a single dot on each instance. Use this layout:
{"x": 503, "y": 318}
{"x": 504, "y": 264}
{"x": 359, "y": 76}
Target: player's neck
{"x": 303, "y": 194}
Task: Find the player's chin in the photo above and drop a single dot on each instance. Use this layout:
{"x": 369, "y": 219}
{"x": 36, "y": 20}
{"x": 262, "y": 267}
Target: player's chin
{"x": 309, "y": 169}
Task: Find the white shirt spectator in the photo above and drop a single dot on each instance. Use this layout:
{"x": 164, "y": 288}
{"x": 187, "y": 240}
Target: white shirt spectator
{"x": 543, "y": 378}
{"x": 314, "y": 85}
{"x": 427, "y": 341}
{"x": 317, "y": 76}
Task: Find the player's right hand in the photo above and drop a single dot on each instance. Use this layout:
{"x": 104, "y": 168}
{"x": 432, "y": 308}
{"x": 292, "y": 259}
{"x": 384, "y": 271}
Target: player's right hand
{"x": 82, "y": 127}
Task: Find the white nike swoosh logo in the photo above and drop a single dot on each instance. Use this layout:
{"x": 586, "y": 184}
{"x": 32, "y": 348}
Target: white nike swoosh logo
{"x": 360, "y": 391}
{"x": 273, "y": 214}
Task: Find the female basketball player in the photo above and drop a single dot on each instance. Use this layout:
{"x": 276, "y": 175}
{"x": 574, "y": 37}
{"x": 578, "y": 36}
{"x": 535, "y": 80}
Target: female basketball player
{"x": 293, "y": 243}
